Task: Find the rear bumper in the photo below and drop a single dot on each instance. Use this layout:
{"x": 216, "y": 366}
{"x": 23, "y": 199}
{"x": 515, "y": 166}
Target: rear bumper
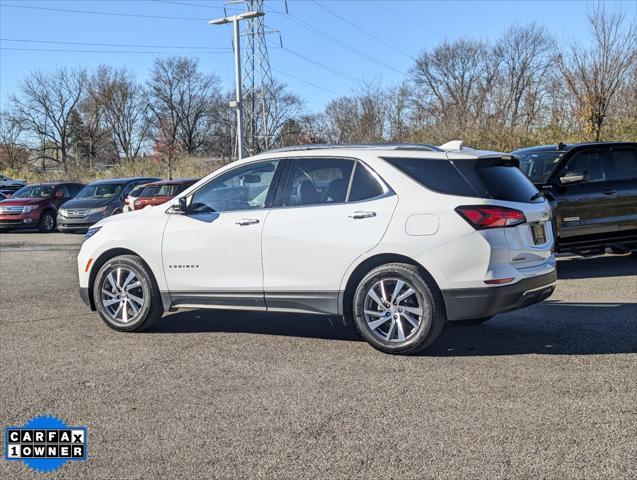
{"x": 467, "y": 303}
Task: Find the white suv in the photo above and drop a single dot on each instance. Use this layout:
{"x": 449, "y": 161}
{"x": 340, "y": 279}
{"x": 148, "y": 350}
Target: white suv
{"x": 399, "y": 237}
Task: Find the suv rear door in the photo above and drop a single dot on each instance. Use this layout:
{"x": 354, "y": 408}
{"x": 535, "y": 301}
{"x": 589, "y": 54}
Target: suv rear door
{"x": 330, "y": 211}
{"x": 588, "y": 207}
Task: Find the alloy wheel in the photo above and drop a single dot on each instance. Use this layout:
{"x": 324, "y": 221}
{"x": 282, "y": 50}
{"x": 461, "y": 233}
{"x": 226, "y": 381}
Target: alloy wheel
{"x": 393, "y": 310}
{"x": 122, "y": 295}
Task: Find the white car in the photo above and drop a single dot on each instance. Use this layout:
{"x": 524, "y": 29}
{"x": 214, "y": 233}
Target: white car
{"x": 401, "y": 238}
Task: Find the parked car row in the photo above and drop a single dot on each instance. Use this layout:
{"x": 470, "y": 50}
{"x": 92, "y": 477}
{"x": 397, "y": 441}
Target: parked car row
{"x": 74, "y": 207}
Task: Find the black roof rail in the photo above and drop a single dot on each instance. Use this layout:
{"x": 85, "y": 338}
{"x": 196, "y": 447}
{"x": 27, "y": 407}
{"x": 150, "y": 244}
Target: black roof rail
{"x": 382, "y": 146}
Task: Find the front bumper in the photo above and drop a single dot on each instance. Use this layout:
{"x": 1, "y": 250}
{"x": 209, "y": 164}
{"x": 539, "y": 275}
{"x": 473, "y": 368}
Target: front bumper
{"x": 76, "y": 224}
{"x": 469, "y": 303}
{"x": 19, "y": 221}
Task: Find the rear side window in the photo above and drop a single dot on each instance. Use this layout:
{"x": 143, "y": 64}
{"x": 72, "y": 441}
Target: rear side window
{"x": 316, "y": 181}
{"x": 364, "y": 185}
{"x": 505, "y": 181}
{"x": 624, "y": 164}
{"x": 438, "y": 175}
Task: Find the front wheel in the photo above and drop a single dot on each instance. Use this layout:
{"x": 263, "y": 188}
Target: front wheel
{"x": 126, "y": 295}
{"x": 396, "y": 310}
{"x": 47, "y": 222}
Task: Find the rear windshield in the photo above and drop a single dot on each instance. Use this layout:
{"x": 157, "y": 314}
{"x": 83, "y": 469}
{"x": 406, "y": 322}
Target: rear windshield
{"x": 505, "y": 181}
{"x": 485, "y": 178}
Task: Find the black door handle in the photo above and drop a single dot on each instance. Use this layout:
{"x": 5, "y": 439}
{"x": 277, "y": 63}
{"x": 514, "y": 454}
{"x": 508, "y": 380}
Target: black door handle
{"x": 609, "y": 192}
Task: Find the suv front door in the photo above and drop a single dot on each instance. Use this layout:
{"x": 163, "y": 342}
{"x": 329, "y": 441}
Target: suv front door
{"x": 331, "y": 211}
{"x": 587, "y": 207}
{"x": 212, "y": 253}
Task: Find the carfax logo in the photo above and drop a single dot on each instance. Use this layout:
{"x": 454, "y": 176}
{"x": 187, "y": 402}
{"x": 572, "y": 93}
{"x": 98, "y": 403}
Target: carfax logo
{"x": 45, "y": 443}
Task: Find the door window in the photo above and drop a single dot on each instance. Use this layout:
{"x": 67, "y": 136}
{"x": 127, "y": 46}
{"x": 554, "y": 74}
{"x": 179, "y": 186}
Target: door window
{"x": 623, "y": 164}
{"x": 365, "y": 185}
{"x": 318, "y": 181}
{"x": 244, "y": 188}
{"x": 590, "y": 164}
{"x": 64, "y": 190}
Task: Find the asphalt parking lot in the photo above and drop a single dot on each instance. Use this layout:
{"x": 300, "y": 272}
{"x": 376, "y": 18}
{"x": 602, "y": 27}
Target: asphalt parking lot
{"x": 545, "y": 392}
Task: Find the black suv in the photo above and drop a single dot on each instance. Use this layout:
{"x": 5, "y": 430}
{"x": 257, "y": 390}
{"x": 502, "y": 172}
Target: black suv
{"x": 592, "y": 188}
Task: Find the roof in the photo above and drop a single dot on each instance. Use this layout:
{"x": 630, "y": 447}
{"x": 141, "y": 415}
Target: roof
{"x": 563, "y": 147}
{"x": 122, "y": 180}
{"x": 386, "y": 149}
{"x": 175, "y": 181}
{"x": 361, "y": 146}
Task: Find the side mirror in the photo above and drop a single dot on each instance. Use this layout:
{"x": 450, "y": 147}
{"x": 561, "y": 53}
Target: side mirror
{"x": 182, "y": 206}
{"x": 573, "y": 177}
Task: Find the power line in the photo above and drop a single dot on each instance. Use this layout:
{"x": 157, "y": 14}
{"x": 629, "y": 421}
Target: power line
{"x": 114, "y": 44}
{"x": 375, "y": 37}
{"x": 207, "y": 6}
{"x": 100, "y": 51}
{"x": 307, "y": 82}
{"x": 324, "y": 67}
{"x": 340, "y": 43}
{"x": 92, "y": 12}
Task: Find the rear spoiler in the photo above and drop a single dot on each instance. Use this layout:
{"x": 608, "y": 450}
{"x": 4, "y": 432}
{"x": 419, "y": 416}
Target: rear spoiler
{"x": 493, "y": 160}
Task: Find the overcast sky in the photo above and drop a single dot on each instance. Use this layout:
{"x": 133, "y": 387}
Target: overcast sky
{"x": 344, "y": 40}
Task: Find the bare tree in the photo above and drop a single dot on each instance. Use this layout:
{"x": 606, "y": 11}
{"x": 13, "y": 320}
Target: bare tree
{"x": 12, "y": 151}
{"x": 45, "y": 103}
{"x": 523, "y": 56}
{"x": 453, "y": 82}
{"x": 595, "y": 75}
{"x": 124, "y": 104}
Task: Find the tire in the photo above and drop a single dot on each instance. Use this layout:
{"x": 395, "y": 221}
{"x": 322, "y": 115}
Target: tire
{"x": 47, "y": 222}
{"x": 471, "y": 321}
{"x": 135, "y": 315}
{"x": 417, "y": 331}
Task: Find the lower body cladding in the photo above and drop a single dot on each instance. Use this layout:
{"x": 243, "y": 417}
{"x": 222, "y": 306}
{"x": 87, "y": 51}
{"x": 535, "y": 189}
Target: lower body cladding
{"x": 469, "y": 303}
{"x": 460, "y": 304}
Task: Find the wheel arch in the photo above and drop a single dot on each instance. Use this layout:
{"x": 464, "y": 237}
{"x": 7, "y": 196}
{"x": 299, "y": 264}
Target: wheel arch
{"x": 101, "y": 260}
{"x": 367, "y": 265}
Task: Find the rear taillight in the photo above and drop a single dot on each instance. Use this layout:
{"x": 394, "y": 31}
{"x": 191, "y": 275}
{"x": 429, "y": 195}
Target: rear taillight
{"x": 481, "y": 217}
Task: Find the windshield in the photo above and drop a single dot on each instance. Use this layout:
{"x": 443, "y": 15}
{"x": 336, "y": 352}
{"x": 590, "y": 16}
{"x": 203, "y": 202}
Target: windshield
{"x": 539, "y": 166}
{"x": 35, "y": 191}
{"x": 162, "y": 190}
{"x": 102, "y": 190}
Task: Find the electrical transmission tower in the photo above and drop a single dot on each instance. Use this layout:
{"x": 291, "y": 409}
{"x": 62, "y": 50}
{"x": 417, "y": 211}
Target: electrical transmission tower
{"x": 258, "y": 96}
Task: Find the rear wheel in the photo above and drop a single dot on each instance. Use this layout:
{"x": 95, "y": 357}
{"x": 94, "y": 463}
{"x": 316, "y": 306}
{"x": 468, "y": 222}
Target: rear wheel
{"x": 47, "y": 222}
{"x": 472, "y": 321}
{"x": 396, "y": 310}
{"x": 126, "y": 295}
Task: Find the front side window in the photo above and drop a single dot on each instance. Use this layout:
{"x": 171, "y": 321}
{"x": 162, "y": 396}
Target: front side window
{"x": 590, "y": 164}
{"x": 317, "y": 181}
{"x": 244, "y": 188}
{"x": 624, "y": 164}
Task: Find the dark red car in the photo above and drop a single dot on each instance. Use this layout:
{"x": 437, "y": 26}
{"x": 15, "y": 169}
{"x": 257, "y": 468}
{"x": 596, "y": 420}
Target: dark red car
{"x": 160, "y": 192}
{"x": 36, "y": 205}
